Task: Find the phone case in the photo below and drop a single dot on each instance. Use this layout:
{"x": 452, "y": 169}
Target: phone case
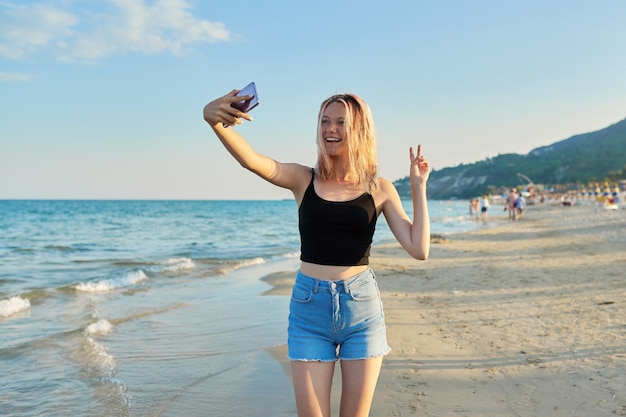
{"x": 247, "y": 105}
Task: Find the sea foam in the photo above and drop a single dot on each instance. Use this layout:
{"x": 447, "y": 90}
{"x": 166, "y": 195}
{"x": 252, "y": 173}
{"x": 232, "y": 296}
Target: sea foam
{"x": 96, "y": 356}
{"x": 111, "y": 284}
{"x": 241, "y": 264}
{"x": 101, "y": 328}
{"x": 13, "y": 305}
{"x": 176, "y": 264}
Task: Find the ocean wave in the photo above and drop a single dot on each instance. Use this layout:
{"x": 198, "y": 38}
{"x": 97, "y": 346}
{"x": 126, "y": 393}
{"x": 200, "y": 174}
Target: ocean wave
{"x": 176, "y": 265}
{"x": 291, "y": 255}
{"x": 241, "y": 264}
{"x": 226, "y": 267}
{"x": 453, "y": 219}
{"x": 95, "y": 356}
{"x": 111, "y": 284}
{"x": 101, "y": 328}
{"x": 13, "y": 306}
{"x": 60, "y": 248}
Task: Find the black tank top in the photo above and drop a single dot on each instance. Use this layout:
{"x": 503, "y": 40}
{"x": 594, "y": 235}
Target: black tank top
{"x": 336, "y": 232}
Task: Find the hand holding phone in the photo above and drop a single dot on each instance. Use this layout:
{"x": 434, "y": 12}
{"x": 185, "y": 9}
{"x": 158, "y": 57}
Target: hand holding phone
{"x": 246, "y": 105}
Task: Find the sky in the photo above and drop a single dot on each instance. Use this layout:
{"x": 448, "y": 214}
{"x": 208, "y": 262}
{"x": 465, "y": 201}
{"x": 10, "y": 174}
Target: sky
{"x": 103, "y": 99}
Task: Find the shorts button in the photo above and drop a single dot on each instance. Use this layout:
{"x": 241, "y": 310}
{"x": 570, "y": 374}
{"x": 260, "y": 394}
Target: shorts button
{"x": 333, "y": 285}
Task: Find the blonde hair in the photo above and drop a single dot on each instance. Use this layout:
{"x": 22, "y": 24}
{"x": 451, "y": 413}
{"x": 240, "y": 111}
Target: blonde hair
{"x": 361, "y": 143}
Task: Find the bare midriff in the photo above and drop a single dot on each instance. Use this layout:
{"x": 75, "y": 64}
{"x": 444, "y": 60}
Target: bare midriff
{"x": 330, "y": 272}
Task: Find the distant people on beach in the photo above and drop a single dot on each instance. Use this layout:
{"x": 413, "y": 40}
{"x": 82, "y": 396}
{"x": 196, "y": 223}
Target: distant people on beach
{"x": 339, "y": 201}
{"x": 510, "y": 204}
{"x": 520, "y": 205}
{"x": 473, "y": 207}
{"x": 484, "y": 205}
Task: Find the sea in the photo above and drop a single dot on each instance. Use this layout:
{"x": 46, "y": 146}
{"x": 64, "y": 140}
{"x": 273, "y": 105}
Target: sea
{"x": 151, "y": 308}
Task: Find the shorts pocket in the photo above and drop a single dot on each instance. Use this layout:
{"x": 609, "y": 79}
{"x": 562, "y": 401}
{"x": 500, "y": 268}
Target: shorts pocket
{"x": 301, "y": 294}
{"x": 365, "y": 291}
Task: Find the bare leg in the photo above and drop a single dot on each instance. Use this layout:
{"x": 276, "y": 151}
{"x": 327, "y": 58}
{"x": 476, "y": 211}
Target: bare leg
{"x": 311, "y": 383}
{"x": 358, "y": 379}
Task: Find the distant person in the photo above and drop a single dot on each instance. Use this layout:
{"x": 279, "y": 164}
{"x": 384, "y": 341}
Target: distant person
{"x": 484, "y": 205}
{"x": 335, "y": 311}
{"x": 474, "y": 207}
{"x": 510, "y": 204}
{"x": 520, "y": 205}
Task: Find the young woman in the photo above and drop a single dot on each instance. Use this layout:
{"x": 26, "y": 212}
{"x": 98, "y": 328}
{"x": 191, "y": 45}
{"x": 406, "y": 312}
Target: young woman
{"x": 335, "y": 310}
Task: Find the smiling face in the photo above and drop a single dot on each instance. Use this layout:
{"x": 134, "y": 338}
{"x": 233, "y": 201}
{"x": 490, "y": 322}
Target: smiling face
{"x": 346, "y": 140}
{"x": 333, "y": 129}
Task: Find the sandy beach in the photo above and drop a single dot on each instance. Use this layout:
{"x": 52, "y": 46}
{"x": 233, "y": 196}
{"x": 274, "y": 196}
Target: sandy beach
{"x": 520, "y": 319}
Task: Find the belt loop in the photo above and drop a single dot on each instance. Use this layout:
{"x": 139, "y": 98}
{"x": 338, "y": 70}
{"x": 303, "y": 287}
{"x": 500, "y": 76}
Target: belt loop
{"x": 346, "y": 288}
{"x": 316, "y": 287}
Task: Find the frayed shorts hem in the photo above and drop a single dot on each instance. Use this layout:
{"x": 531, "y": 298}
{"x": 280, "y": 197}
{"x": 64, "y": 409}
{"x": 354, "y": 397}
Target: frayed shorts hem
{"x": 385, "y": 353}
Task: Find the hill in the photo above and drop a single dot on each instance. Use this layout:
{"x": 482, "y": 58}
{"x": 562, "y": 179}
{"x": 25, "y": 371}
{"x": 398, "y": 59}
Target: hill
{"x": 589, "y": 157}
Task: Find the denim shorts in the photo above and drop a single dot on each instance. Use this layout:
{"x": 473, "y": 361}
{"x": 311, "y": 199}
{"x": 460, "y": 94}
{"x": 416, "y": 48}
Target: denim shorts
{"x": 330, "y": 320}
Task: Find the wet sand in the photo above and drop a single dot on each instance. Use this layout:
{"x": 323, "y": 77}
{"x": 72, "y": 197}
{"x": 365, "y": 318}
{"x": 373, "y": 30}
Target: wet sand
{"x": 522, "y": 319}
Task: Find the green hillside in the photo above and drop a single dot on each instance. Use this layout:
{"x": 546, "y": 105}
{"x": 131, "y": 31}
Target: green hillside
{"x": 595, "y": 156}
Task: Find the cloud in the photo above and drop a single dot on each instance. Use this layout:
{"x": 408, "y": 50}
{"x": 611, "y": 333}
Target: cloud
{"x": 121, "y": 26}
{"x": 27, "y": 29}
{"x": 7, "y": 77}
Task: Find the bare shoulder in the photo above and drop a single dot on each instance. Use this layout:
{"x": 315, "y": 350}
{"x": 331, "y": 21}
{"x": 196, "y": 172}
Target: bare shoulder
{"x": 384, "y": 192}
{"x": 389, "y": 203}
{"x": 386, "y": 188}
{"x": 294, "y": 176}
{"x": 297, "y": 170}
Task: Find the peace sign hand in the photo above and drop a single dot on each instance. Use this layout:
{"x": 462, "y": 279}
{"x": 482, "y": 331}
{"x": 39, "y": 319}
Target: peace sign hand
{"x": 420, "y": 168}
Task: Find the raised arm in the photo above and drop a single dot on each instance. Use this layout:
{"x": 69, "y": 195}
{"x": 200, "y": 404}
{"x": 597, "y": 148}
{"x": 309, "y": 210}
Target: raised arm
{"x": 414, "y": 236}
{"x": 219, "y": 113}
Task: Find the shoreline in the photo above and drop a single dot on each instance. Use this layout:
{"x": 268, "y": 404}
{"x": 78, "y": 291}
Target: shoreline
{"x": 526, "y": 318}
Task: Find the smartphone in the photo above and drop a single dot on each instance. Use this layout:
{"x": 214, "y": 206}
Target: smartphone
{"x": 247, "y": 105}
